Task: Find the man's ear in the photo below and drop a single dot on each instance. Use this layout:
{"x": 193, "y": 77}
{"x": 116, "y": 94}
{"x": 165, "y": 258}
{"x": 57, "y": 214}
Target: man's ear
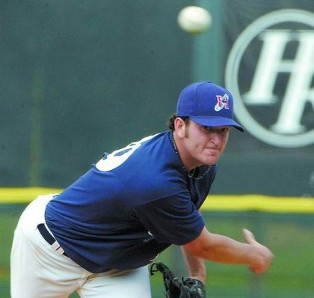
{"x": 180, "y": 127}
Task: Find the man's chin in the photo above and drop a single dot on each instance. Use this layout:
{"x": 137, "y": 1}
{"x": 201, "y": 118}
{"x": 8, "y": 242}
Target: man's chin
{"x": 210, "y": 162}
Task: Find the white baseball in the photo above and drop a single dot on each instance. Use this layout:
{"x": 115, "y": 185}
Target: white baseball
{"x": 194, "y": 19}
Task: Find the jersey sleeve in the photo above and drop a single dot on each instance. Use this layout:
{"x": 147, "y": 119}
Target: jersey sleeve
{"x": 172, "y": 220}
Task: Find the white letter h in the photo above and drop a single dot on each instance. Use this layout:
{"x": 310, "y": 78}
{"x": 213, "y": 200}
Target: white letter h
{"x": 301, "y": 69}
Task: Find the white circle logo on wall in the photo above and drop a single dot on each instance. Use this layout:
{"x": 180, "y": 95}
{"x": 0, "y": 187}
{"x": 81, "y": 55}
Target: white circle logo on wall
{"x": 270, "y": 71}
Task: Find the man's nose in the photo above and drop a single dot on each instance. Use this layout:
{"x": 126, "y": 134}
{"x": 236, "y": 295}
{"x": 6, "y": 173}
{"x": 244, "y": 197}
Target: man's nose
{"x": 216, "y": 137}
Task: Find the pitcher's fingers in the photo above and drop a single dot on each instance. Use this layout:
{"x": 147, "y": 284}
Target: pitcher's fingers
{"x": 248, "y": 236}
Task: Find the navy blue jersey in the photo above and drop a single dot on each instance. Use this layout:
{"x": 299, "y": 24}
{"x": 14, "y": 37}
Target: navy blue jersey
{"x": 130, "y": 206}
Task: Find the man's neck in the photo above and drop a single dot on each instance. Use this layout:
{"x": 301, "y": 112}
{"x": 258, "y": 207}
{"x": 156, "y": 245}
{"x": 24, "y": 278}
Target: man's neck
{"x": 184, "y": 156}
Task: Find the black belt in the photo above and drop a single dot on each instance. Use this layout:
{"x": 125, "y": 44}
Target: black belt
{"x": 46, "y": 234}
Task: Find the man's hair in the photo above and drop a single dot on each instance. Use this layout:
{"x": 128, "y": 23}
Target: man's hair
{"x": 173, "y": 117}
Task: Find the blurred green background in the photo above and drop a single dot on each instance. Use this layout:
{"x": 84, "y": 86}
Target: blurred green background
{"x": 80, "y": 77}
{"x": 290, "y": 236}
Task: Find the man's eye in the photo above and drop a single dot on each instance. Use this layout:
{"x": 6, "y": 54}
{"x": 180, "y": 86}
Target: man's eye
{"x": 225, "y": 130}
{"x": 209, "y": 129}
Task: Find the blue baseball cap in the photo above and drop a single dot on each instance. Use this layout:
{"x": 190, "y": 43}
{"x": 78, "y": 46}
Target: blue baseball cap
{"x": 207, "y": 104}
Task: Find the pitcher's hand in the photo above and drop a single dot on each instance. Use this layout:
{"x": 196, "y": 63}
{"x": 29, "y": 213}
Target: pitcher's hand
{"x": 263, "y": 259}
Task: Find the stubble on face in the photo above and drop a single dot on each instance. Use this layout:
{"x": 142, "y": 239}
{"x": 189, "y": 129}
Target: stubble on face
{"x": 205, "y": 146}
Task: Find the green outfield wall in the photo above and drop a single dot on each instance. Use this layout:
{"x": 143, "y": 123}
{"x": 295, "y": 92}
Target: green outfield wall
{"x": 79, "y": 78}
{"x": 251, "y": 203}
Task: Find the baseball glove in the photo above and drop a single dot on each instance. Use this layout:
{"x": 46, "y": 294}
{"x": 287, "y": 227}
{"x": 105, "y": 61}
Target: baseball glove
{"x": 176, "y": 287}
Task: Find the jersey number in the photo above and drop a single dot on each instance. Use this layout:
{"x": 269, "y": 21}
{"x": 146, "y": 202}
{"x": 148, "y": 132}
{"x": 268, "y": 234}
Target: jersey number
{"x": 118, "y": 157}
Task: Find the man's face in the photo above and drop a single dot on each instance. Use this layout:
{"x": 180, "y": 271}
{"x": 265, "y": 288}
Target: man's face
{"x": 200, "y": 145}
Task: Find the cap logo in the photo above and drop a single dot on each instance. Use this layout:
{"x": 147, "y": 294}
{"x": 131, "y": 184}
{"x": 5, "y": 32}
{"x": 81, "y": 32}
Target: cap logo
{"x": 222, "y": 102}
